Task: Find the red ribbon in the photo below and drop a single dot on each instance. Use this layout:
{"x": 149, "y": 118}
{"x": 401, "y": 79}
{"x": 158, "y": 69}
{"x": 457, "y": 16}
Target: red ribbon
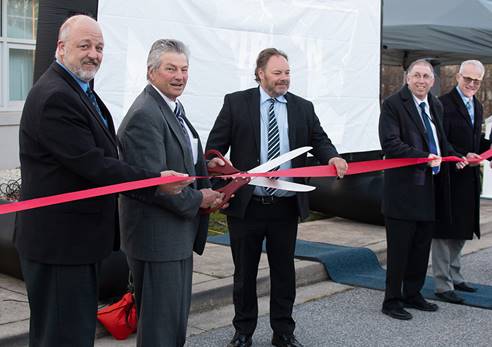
{"x": 309, "y": 171}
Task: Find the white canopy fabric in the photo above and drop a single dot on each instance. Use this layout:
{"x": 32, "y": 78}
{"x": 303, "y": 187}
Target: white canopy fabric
{"x": 333, "y": 48}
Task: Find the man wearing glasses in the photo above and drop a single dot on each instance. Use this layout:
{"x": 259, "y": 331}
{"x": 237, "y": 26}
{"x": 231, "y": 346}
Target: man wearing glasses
{"x": 410, "y": 127}
{"x": 463, "y": 116}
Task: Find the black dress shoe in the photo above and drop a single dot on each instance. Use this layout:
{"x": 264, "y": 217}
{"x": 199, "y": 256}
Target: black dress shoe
{"x": 281, "y": 340}
{"x": 397, "y": 313}
{"x": 450, "y": 296}
{"x": 421, "y": 304}
{"x": 240, "y": 340}
{"x": 464, "y": 287}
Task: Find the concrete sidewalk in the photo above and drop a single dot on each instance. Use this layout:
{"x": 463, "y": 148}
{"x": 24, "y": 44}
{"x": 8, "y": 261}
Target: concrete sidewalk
{"x": 212, "y": 277}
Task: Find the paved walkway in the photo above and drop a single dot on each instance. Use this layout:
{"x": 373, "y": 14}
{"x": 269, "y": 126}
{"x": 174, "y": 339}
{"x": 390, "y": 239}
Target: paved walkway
{"x": 212, "y": 278}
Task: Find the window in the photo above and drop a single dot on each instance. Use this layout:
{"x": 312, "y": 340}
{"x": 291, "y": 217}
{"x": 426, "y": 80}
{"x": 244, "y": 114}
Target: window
{"x": 18, "y": 25}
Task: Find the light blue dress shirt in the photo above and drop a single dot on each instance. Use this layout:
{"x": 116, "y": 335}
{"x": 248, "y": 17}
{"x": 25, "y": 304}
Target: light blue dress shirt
{"x": 280, "y": 108}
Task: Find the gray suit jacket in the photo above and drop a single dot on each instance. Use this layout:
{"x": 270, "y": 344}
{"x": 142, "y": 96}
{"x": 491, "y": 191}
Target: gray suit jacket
{"x": 160, "y": 227}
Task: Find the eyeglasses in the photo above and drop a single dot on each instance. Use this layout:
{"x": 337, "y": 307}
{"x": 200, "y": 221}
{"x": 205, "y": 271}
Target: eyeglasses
{"x": 469, "y": 80}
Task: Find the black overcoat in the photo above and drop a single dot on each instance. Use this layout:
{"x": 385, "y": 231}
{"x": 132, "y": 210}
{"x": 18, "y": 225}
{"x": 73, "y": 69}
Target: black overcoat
{"x": 465, "y": 184}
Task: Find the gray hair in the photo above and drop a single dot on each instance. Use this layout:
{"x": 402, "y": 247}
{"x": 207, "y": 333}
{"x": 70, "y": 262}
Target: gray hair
{"x": 475, "y": 63}
{"x": 420, "y": 62}
{"x": 160, "y": 47}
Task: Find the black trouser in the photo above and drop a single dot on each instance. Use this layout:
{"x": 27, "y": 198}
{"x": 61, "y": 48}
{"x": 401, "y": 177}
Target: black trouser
{"x": 63, "y": 303}
{"x": 408, "y": 247}
{"x": 277, "y": 224}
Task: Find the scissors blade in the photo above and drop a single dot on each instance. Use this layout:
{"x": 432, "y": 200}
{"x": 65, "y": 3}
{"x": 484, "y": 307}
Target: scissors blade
{"x": 272, "y": 164}
{"x": 279, "y": 184}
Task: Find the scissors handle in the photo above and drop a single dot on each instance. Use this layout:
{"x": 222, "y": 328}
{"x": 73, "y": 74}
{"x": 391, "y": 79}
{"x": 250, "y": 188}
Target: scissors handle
{"x": 227, "y": 169}
{"x": 228, "y": 190}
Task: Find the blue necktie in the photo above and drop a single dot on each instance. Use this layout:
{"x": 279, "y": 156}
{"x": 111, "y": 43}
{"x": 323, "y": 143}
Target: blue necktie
{"x": 430, "y": 135}
{"x": 469, "y": 107}
{"x": 92, "y": 99}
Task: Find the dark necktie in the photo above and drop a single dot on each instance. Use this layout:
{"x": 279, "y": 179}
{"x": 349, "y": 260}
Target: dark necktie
{"x": 92, "y": 99}
{"x": 273, "y": 138}
{"x": 430, "y": 135}
{"x": 179, "y": 113}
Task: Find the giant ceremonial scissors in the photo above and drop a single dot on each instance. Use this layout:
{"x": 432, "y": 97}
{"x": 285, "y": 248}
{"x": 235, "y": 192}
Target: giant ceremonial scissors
{"x": 237, "y": 182}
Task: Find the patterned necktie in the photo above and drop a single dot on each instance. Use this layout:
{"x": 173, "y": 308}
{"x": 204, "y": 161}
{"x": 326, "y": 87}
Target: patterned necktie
{"x": 430, "y": 135}
{"x": 92, "y": 99}
{"x": 273, "y": 139}
{"x": 469, "y": 107}
{"x": 179, "y": 113}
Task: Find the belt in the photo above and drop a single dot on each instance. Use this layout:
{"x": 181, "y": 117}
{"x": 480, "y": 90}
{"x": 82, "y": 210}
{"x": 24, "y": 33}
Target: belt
{"x": 268, "y": 200}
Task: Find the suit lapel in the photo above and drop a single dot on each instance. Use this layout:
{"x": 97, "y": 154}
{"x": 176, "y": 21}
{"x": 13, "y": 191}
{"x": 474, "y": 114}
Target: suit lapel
{"x": 292, "y": 111}
{"x": 436, "y": 121}
{"x": 411, "y": 108}
{"x": 85, "y": 100}
{"x": 477, "y": 125}
{"x": 175, "y": 127}
{"x": 254, "y": 116}
{"x": 460, "y": 106}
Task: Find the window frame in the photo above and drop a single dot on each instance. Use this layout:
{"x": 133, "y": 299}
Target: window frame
{"x": 7, "y": 43}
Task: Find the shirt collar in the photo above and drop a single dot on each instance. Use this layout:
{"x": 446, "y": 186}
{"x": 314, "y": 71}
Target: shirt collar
{"x": 464, "y": 97}
{"x": 264, "y": 97}
{"x": 418, "y": 101}
{"x": 169, "y": 102}
{"x": 83, "y": 84}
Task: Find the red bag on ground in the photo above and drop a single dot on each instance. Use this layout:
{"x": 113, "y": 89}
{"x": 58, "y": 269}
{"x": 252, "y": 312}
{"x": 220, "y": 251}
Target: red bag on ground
{"x": 120, "y": 318}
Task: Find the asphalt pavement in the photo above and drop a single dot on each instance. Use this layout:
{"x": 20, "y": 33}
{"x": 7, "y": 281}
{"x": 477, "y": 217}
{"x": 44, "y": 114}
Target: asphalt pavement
{"x": 353, "y": 318}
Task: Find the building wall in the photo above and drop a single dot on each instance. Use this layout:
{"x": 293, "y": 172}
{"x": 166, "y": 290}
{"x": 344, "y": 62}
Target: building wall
{"x": 9, "y": 140}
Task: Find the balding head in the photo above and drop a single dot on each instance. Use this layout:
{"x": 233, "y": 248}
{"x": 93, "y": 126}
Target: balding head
{"x": 80, "y": 46}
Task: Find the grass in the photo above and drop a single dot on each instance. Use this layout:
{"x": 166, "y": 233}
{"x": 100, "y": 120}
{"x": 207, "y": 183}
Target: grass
{"x": 218, "y": 222}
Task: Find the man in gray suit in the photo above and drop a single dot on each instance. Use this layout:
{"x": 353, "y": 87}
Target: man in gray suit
{"x": 160, "y": 233}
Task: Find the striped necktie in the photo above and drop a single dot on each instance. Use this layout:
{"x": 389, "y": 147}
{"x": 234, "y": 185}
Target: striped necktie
{"x": 273, "y": 138}
{"x": 179, "y": 113}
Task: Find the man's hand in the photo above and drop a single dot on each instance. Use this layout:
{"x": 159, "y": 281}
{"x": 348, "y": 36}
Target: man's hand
{"x": 214, "y": 162}
{"x": 174, "y": 188}
{"x": 473, "y": 157}
{"x": 340, "y": 165}
{"x": 436, "y": 160}
{"x": 211, "y": 198}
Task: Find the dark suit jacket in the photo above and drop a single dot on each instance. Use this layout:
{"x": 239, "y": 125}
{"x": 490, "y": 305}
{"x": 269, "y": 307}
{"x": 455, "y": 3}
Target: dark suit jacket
{"x": 238, "y": 127}
{"x": 411, "y": 193}
{"x": 465, "y": 184}
{"x": 160, "y": 227}
{"x": 65, "y": 147}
